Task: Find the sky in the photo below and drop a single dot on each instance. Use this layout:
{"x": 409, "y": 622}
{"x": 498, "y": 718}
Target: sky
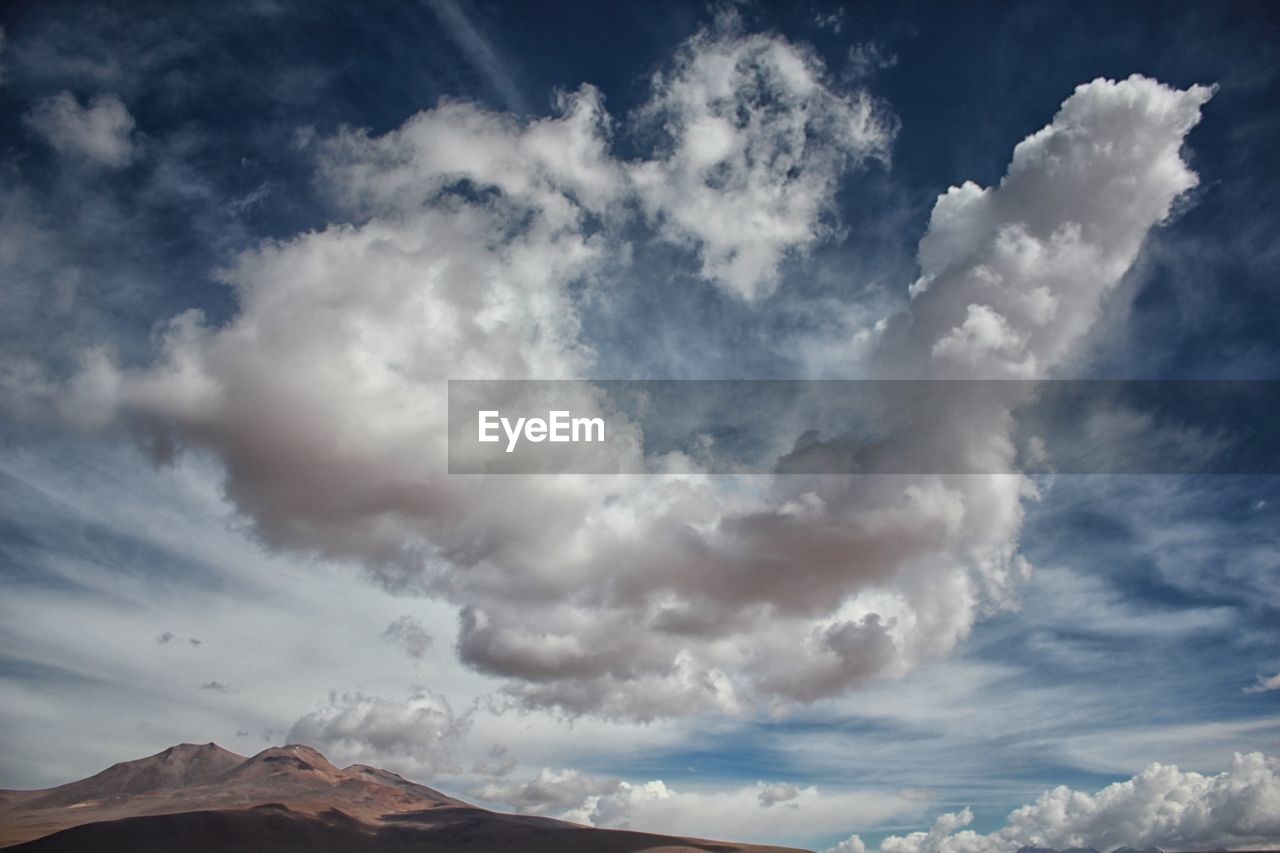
{"x": 244, "y": 245}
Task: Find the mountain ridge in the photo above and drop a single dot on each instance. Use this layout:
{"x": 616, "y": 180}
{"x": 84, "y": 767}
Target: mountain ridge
{"x": 203, "y": 798}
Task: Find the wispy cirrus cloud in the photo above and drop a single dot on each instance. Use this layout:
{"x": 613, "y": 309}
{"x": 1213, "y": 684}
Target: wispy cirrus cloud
{"x": 1265, "y": 684}
{"x": 480, "y": 53}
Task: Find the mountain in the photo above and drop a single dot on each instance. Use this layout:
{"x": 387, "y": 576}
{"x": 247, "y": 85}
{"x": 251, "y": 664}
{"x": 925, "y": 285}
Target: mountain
{"x": 206, "y": 799}
{"x": 182, "y": 766}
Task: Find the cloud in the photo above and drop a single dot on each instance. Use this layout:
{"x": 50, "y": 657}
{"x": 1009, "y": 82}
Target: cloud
{"x": 771, "y": 795}
{"x": 1121, "y": 749}
{"x": 934, "y": 840}
{"x": 852, "y": 844}
{"x": 865, "y": 59}
{"x": 470, "y": 241}
{"x": 117, "y": 547}
{"x": 408, "y": 633}
{"x": 479, "y": 52}
{"x": 920, "y": 794}
{"x": 1264, "y": 684}
{"x": 499, "y": 762}
{"x": 833, "y": 21}
{"x": 168, "y": 637}
{"x": 738, "y": 811}
{"x": 1089, "y": 604}
{"x": 1013, "y": 276}
{"x": 424, "y": 730}
{"x": 756, "y": 141}
{"x": 1162, "y": 806}
{"x": 550, "y": 792}
{"x": 99, "y": 132}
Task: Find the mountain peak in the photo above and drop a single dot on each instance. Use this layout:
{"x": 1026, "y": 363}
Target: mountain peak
{"x": 300, "y": 755}
{"x": 192, "y": 750}
{"x": 178, "y": 767}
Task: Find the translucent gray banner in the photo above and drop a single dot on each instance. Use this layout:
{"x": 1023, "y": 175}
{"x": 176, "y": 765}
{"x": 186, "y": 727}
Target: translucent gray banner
{"x": 816, "y": 427}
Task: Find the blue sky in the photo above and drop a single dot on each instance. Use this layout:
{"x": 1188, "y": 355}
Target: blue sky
{"x": 241, "y": 248}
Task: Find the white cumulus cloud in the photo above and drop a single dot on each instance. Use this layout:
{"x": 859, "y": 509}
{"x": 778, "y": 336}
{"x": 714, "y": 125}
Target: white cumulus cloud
{"x": 468, "y": 240}
{"x": 1012, "y": 276}
{"x": 757, "y": 140}
{"x": 1161, "y": 806}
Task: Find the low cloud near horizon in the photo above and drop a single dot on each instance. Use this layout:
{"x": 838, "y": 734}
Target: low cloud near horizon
{"x": 1162, "y": 806}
